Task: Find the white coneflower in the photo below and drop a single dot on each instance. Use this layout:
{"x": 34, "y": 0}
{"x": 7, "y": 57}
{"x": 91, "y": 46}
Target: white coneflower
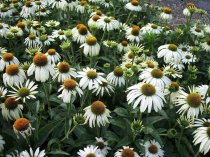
{"x": 38, "y": 4}
{"x": 126, "y": 152}
{"x": 170, "y": 53}
{"x": 28, "y": 9}
{"x": 64, "y": 71}
{"x": 147, "y": 56}
{"x": 123, "y": 46}
{"x": 149, "y": 64}
{"x": 7, "y": 59}
{"x": 151, "y": 28}
{"x": 156, "y": 77}
{"x": 129, "y": 56}
{"x": 32, "y": 41}
{"x": 5, "y": 12}
{"x": 43, "y": 12}
{"x": 191, "y": 103}
{"x": 72, "y": 4}
{"x": 110, "y": 43}
{"x": 166, "y": 14}
{"x": 180, "y": 66}
{"x": 58, "y": 4}
{"x": 173, "y": 90}
{"x": 53, "y": 56}
{"x": 185, "y": 122}
{"x": 197, "y": 31}
{"x": 90, "y": 77}
{"x": 31, "y": 153}
{"x": 93, "y": 21}
{"x": 3, "y": 29}
{"x": 133, "y": 5}
{"x": 106, "y": 3}
{"x": 22, "y": 127}
{"x": 11, "y": 109}
{"x": 91, "y": 47}
{"x": 190, "y": 8}
{"x": 80, "y": 33}
{"x": 52, "y": 23}
{"x": 41, "y": 67}
{"x": 3, "y": 92}
{"x": 46, "y": 40}
{"x": 207, "y": 28}
{"x": 24, "y": 92}
{"x": 173, "y": 72}
{"x": 97, "y": 114}
{"x": 206, "y": 45}
{"x": 97, "y": 12}
{"x": 133, "y": 34}
{"x": 108, "y": 23}
{"x": 16, "y": 31}
{"x": 153, "y": 149}
{"x": 123, "y": 27}
{"x": 202, "y": 137}
{"x": 204, "y": 90}
{"x": 202, "y": 122}
{"x": 116, "y": 77}
{"x": 147, "y": 96}
{"x": 188, "y": 58}
{"x": 89, "y": 151}
{"x": 102, "y": 146}
{"x": 102, "y": 88}
{"x": 13, "y": 74}
{"x": 135, "y": 48}
{"x": 81, "y": 7}
{"x": 69, "y": 90}
{"x": 59, "y": 34}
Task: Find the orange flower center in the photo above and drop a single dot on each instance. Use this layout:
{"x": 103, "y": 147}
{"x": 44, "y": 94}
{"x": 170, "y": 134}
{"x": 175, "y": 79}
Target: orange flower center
{"x": 96, "y": 17}
{"x": 194, "y": 100}
{"x": 7, "y": 57}
{"x": 98, "y": 107}
{"x": 124, "y": 43}
{"x": 135, "y": 2}
{"x": 12, "y": 69}
{"x": 21, "y": 124}
{"x": 51, "y": 51}
{"x": 92, "y": 74}
{"x": 91, "y": 40}
{"x": 83, "y": 30}
{"x": 40, "y": 59}
{"x": 127, "y": 152}
{"x": 20, "y": 24}
{"x": 70, "y": 84}
{"x": 150, "y": 64}
{"x": 118, "y": 72}
{"x": 135, "y": 30}
{"x": 63, "y": 67}
{"x": 157, "y": 73}
{"x": 148, "y": 89}
{"x": 10, "y": 103}
{"x": 167, "y": 10}
{"x": 153, "y": 149}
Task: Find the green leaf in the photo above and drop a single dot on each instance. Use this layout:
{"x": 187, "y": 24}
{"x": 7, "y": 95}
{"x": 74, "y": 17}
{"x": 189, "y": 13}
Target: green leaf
{"x": 45, "y": 131}
{"x": 121, "y": 112}
{"x": 58, "y": 152}
{"x": 124, "y": 142}
{"x": 152, "y": 120}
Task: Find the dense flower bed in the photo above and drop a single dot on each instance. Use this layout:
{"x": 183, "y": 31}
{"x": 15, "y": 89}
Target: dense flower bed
{"x": 96, "y": 78}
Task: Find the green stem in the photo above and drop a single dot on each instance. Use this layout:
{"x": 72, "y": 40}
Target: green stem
{"x": 68, "y": 133}
{"x": 128, "y": 18}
